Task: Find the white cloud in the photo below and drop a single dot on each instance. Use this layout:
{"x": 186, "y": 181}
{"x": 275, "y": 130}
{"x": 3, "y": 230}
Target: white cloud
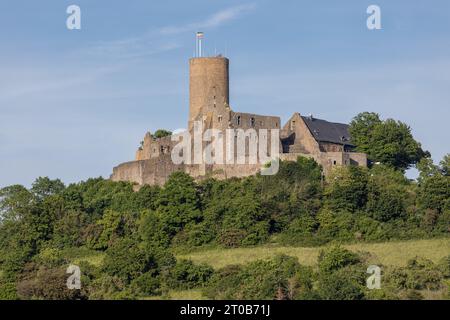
{"x": 215, "y": 20}
{"x": 153, "y": 42}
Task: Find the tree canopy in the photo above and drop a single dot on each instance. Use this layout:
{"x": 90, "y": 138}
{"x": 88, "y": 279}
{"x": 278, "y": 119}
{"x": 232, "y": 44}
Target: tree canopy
{"x": 160, "y": 133}
{"x": 389, "y": 142}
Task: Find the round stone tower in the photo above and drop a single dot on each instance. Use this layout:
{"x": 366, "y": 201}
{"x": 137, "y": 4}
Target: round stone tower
{"x": 208, "y": 87}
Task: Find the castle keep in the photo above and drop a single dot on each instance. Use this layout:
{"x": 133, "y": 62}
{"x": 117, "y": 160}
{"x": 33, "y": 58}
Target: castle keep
{"x": 327, "y": 143}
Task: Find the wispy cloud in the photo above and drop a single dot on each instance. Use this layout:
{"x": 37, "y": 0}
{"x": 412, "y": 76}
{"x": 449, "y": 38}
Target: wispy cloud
{"x": 152, "y": 42}
{"x": 213, "y": 21}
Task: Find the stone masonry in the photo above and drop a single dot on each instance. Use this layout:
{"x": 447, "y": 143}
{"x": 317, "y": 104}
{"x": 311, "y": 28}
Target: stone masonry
{"x": 327, "y": 143}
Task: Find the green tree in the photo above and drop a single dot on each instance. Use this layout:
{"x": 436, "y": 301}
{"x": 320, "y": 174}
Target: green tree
{"x": 15, "y": 202}
{"x": 445, "y": 165}
{"x": 115, "y": 225}
{"x": 434, "y": 193}
{"x": 258, "y": 280}
{"x": 160, "y": 133}
{"x": 387, "y": 193}
{"x": 43, "y": 187}
{"x": 334, "y": 258}
{"x": 187, "y": 275}
{"x": 346, "y": 188}
{"x": 343, "y": 284}
{"x": 179, "y": 203}
{"x": 233, "y": 210}
{"x": 361, "y": 130}
{"x": 426, "y": 169}
{"x": 127, "y": 261}
{"x": 293, "y": 193}
{"x": 389, "y": 142}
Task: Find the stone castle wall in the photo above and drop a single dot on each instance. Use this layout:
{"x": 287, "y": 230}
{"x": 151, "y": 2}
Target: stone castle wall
{"x": 209, "y": 103}
{"x": 156, "y": 171}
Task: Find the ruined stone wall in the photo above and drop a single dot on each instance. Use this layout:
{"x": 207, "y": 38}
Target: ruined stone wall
{"x": 156, "y": 171}
{"x": 357, "y": 158}
{"x": 153, "y": 148}
{"x": 128, "y": 171}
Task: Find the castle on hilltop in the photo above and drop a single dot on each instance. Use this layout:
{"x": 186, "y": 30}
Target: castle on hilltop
{"x": 327, "y": 143}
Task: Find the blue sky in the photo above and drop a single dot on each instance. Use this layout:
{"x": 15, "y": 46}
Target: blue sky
{"x": 73, "y": 104}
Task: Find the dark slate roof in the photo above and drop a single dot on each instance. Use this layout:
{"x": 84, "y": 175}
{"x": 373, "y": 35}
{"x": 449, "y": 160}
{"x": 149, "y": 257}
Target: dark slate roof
{"x": 325, "y": 131}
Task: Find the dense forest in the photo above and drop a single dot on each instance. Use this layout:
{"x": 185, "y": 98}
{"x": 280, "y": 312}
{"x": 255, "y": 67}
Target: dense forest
{"x": 45, "y": 228}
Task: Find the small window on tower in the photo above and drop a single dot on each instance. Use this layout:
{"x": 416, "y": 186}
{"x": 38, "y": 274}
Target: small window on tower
{"x": 292, "y": 124}
{"x": 252, "y": 122}
{"x": 238, "y": 120}
{"x": 219, "y": 118}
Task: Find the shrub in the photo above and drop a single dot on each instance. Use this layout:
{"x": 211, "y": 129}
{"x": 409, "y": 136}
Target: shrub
{"x": 434, "y": 193}
{"x": 231, "y": 238}
{"x": 127, "y": 261}
{"x": 70, "y": 229}
{"x": 347, "y": 188}
{"x": 160, "y": 133}
{"x": 301, "y": 231}
{"x": 186, "y": 275}
{"x": 335, "y": 258}
{"x": 419, "y": 274}
{"x": 147, "y": 284}
{"x": 369, "y": 228}
{"x": 46, "y": 283}
{"x": 444, "y": 266}
{"x": 335, "y": 225}
{"x": 301, "y": 285}
{"x": 8, "y": 291}
{"x": 385, "y": 203}
{"x": 110, "y": 288}
{"x": 50, "y": 257}
{"x": 259, "y": 280}
{"x": 343, "y": 284}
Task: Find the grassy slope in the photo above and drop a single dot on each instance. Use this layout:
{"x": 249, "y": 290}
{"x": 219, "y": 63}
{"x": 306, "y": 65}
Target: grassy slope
{"x": 385, "y": 253}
